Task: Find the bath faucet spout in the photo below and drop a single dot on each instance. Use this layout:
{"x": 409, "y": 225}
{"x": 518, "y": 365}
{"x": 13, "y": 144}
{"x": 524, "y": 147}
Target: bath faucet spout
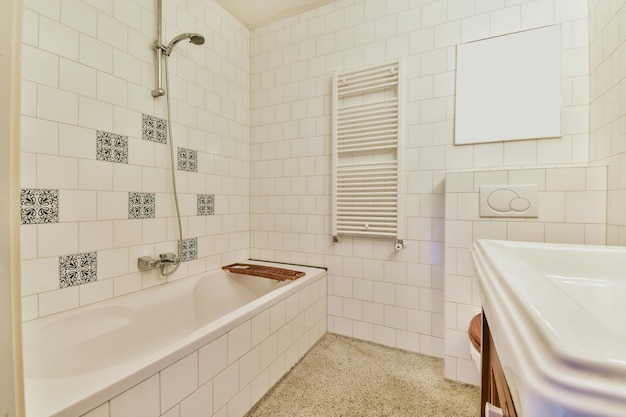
{"x": 168, "y": 258}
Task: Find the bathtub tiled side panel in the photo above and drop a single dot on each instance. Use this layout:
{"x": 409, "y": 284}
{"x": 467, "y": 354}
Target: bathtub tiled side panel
{"x": 223, "y": 380}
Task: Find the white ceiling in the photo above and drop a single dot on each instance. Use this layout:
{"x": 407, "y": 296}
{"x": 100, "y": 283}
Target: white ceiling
{"x": 255, "y": 13}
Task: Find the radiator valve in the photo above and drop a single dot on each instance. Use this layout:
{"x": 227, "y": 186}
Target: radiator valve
{"x": 400, "y": 244}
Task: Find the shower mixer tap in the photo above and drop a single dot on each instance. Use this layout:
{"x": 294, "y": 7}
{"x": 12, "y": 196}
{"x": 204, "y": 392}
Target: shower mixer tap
{"x": 145, "y": 263}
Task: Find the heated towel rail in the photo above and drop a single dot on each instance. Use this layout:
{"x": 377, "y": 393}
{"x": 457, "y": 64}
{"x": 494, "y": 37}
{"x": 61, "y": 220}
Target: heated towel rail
{"x": 367, "y": 152}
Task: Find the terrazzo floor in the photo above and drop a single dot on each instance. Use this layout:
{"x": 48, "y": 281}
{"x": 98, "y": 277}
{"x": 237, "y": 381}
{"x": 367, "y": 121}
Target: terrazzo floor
{"x": 342, "y": 376}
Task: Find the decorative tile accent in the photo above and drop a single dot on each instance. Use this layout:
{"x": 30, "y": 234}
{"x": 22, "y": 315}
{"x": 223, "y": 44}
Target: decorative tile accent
{"x": 187, "y": 160}
{"x": 39, "y": 206}
{"x": 141, "y": 205}
{"x": 206, "y": 204}
{"x": 189, "y": 249}
{"x": 77, "y": 269}
{"x": 112, "y": 147}
{"x": 154, "y": 129}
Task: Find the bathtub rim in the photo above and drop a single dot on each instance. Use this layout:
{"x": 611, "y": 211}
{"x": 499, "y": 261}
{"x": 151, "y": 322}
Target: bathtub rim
{"x": 163, "y": 358}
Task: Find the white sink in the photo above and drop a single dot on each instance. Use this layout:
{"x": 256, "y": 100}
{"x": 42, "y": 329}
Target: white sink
{"x": 557, "y": 314}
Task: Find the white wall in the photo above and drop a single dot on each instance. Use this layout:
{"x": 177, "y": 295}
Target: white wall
{"x": 375, "y": 293}
{"x": 572, "y": 209}
{"x": 608, "y": 110}
{"x": 571, "y": 199}
{"x": 89, "y": 66}
{"x": 11, "y": 376}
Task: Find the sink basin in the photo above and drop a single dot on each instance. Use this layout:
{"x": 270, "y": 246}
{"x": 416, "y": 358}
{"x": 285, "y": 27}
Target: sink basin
{"x": 557, "y": 314}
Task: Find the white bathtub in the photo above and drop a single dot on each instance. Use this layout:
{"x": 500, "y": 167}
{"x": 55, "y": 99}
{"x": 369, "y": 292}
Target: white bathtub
{"x": 80, "y": 359}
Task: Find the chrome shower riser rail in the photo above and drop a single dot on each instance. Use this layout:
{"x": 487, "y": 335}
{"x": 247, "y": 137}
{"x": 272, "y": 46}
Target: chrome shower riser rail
{"x": 168, "y": 260}
{"x": 159, "y": 91}
{"x": 164, "y": 51}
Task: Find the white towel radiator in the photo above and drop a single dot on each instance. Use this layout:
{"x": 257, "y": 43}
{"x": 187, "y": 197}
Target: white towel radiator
{"x": 367, "y": 187}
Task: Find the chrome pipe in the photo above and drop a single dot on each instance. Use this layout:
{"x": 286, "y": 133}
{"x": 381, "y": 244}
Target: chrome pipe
{"x": 159, "y": 49}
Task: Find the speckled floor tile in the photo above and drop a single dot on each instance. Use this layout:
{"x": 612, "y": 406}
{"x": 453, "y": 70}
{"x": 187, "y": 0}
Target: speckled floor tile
{"x": 341, "y": 376}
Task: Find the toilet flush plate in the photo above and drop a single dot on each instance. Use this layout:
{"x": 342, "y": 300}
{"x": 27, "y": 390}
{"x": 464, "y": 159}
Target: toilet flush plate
{"x": 509, "y": 201}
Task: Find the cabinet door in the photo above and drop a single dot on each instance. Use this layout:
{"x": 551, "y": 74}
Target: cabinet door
{"x": 494, "y": 388}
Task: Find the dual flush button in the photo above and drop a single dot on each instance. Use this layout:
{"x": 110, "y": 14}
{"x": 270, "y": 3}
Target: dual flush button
{"x": 509, "y": 201}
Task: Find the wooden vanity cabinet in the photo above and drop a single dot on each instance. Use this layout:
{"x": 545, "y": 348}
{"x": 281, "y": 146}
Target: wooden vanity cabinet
{"x": 493, "y": 387}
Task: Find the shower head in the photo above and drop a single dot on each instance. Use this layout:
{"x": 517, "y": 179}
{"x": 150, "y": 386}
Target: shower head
{"x": 194, "y": 38}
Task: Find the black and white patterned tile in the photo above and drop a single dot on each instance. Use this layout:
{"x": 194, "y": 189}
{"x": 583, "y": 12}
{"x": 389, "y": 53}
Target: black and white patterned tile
{"x": 187, "y": 160}
{"x": 154, "y": 129}
{"x": 39, "y": 206}
{"x": 206, "y": 204}
{"x": 77, "y": 269}
{"x": 111, "y": 147}
{"x": 141, "y": 205}
{"x": 189, "y": 249}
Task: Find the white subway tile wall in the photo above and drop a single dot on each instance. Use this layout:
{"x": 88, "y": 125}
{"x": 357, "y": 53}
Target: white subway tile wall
{"x": 89, "y": 67}
{"x": 376, "y": 293}
{"x": 569, "y": 212}
{"x": 607, "y": 144}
